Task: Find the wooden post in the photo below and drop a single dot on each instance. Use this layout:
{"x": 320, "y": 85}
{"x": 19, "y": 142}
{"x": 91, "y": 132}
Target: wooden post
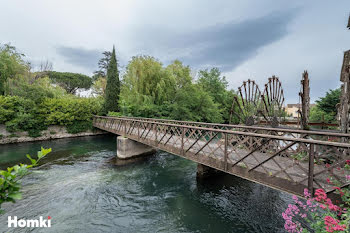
{"x": 305, "y": 101}
{"x": 343, "y": 110}
{"x": 310, "y": 183}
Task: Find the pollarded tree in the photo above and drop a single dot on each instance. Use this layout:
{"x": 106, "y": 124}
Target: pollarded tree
{"x": 71, "y": 82}
{"x": 113, "y": 85}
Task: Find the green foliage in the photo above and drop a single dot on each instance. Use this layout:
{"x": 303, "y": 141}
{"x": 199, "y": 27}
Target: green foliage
{"x": 146, "y": 86}
{"x": 216, "y": 85}
{"x": 150, "y": 90}
{"x": 11, "y": 64}
{"x": 10, "y": 178}
{"x": 103, "y": 65}
{"x": 318, "y": 115}
{"x": 20, "y": 114}
{"x": 71, "y": 82}
{"x": 113, "y": 85}
{"x": 213, "y": 83}
{"x": 79, "y": 126}
{"x": 194, "y": 104}
{"x": 99, "y": 86}
{"x": 36, "y": 90}
{"x": 326, "y": 107}
{"x": 329, "y": 103}
{"x": 301, "y": 156}
{"x": 115, "y": 114}
{"x": 66, "y": 111}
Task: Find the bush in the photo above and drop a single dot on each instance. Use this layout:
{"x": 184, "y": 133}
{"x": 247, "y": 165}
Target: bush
{"x": 19, "y": 114}
{"x": 65, "y": 111}
{"x": 34, "y": 133}
{"x": 79, "y": 126}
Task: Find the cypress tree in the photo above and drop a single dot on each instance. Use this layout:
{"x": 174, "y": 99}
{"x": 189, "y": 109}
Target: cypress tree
{"x": 113, "y": 85}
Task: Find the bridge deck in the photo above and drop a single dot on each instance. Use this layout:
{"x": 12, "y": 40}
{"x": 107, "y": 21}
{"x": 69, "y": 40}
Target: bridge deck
{"x": 274, "y": 157}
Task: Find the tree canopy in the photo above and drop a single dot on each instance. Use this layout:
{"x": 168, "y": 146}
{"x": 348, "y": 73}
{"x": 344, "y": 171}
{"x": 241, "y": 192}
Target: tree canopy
{"x": 216, "y": 85}
{"x": 11, "y": 64}
{"x": 151, "y": 90}
{"x": 71, "y": 82}
{"x": 103, "y": 65}
{"x": 326, "y": 107}
{"x": 329, "y": 103}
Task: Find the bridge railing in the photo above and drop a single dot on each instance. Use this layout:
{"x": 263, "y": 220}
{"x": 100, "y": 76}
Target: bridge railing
{"x": 286, "y": 159}
{"x": 316, "y": 134}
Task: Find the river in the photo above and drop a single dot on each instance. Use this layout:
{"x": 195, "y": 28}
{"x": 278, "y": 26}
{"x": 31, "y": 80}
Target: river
{"x": 82, "y": 191}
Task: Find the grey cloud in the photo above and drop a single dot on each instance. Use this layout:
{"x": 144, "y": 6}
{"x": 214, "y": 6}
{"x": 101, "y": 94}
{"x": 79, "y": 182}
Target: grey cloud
{"x": 230, "y": 44}
{"x": 82, "y": 57}
{"x": 225, "y": 45}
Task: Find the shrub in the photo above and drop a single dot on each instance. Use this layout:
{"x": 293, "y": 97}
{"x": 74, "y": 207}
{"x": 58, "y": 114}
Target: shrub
{"x": 19, "y": 114}
{"x": 79, "y": 126}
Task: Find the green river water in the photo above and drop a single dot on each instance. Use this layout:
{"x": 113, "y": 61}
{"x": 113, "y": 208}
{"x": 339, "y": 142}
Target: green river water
{"x": 82, "y": 191}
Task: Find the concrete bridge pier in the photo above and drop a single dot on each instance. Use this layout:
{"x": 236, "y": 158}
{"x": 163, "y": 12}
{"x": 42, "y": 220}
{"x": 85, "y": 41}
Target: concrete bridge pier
{"x": 205, "y": 172}
{"x": 130, "y": 149}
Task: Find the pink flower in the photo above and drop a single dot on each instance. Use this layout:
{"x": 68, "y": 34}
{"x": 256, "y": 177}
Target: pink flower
{"x": 307, "y": 194}
{"x": 320, "y": 195}
{"x": 333, "y": 224}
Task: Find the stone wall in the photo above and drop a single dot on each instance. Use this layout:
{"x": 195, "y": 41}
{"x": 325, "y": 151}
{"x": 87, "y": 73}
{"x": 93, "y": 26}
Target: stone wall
{"x": 52, "y": 132}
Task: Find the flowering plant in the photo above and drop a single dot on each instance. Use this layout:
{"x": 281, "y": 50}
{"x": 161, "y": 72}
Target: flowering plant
{"x": 319, "y": 213}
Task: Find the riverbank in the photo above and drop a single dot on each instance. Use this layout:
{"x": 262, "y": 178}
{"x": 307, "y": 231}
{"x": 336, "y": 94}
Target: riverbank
{"x": 52, "y": 132}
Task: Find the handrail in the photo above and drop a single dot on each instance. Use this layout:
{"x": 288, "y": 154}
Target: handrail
{"x": 299, "y": 131}
{"x": 302, "y": 140}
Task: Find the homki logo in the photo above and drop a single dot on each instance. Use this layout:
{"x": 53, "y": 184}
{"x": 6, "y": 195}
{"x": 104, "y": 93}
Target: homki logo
{"x": 41, "y": 222}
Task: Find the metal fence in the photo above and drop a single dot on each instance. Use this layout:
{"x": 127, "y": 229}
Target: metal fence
{"x": 285, "y": 159}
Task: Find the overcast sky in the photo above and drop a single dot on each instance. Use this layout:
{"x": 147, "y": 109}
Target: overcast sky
{"x": 245, "y": 39}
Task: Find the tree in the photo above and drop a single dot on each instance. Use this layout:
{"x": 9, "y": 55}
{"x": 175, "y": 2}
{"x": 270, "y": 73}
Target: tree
{"x": 71, "y": 82}
{"x": 103, "y": 65}
{"x": 193, "y": 103}
{"x": 44, "y": 68}
{"x": 181, "y": 73}
{"x": 216, "y": 85}
{"x": 329, "y": 103}
{"x": 147, "y": 87}
{"x": 113, "y": 85}
{"x": 326, "y": 107}
{"x": 11, "y": 64}
{"x": 150, "y": 90}
{"x": 99, "y": 86}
